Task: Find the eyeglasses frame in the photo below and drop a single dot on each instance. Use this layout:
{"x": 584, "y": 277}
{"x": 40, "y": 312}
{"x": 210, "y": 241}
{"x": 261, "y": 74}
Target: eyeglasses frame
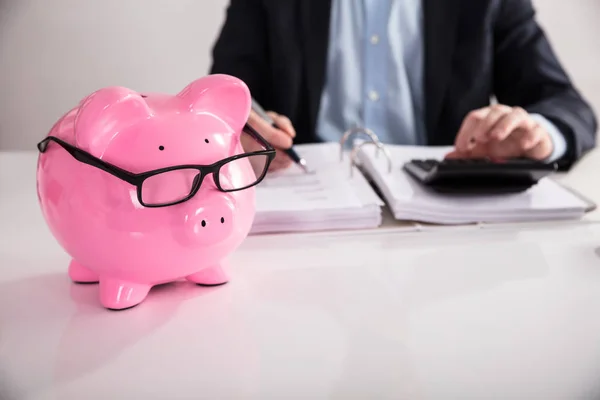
{"x": 137, "y": 179}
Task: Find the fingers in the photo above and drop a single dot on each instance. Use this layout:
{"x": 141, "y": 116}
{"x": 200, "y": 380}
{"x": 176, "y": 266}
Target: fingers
{"x": 540, "y": 145}
{"x": 479, "y": 151}
{"x": 454, "y": 154}
{"x": 476, "y": 126}
{"x": 278, "y": 138}
{"x": 464, "y": 139}
{"x": 513, "y": 120}
{"x": 508, "y": 148}
{"x": 281, "y": 161}
{"x": 529, "y": 138}
{"x": 532, "y": 143}
{"x": 481, "y": 133}
{"x": 283, "y": 123}
{"x": 519, "y": 142}
{"x": 489, "y": 123}
{"x": 500, "y": 131}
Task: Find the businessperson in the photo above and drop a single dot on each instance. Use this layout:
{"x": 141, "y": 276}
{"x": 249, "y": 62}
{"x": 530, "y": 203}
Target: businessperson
{"x": 420, "y": 72}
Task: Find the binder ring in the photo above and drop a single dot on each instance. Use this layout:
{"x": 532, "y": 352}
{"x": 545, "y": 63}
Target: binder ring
{"x": 380, "y": 146}
{"x": 354, "y": 131}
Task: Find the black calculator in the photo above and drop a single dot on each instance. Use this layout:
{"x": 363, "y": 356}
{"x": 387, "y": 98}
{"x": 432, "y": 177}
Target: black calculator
{"x": 478, "y": 176}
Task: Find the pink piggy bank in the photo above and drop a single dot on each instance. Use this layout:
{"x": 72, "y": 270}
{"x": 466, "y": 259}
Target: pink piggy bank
{"x": 142, "y": 190}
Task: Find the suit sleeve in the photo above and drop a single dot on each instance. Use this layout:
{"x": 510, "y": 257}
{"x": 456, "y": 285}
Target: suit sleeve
{"x": 241, "y": 47}
{"x": 528, "y": 74}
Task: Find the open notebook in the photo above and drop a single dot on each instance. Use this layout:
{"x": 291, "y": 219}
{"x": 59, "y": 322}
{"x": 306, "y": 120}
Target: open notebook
{"x": 329, "y": 198}
{"x": 408, "y": 200}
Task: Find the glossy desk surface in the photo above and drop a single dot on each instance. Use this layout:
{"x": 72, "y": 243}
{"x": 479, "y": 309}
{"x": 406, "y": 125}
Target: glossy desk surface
{"x": 507, "y": 313}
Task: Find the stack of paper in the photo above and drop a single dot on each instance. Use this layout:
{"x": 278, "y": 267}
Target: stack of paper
{"x": 328, "y": 198}
{"x": 408, "y": 200}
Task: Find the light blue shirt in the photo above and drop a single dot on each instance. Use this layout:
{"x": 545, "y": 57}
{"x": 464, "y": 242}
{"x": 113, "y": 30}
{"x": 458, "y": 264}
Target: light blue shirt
{"x": 375, "y": 73}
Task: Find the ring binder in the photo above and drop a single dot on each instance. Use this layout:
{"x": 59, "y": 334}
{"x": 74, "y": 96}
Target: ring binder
{"x": 354, "y": 131}
{"x": 379, "y": 145}
{"x": 374, "y": 140}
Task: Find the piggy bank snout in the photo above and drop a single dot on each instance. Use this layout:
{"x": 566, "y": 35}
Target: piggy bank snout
{"x": 213, "y": 220}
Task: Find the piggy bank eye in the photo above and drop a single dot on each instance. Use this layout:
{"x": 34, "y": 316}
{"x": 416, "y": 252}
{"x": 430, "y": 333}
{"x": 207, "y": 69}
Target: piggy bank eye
{"x": 161, "y": 148}
{"x": 206, "y": 140}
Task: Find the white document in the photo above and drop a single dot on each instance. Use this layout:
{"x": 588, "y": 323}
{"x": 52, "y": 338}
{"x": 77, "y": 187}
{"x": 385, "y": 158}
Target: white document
{"x": 328, "y": 198}
{"x": 293, "y": 189}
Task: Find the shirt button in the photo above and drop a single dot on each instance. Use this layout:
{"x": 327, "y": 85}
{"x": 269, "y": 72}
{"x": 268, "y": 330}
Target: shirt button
{"x": 374, "y": 39}
{"x": 373, "y": 95}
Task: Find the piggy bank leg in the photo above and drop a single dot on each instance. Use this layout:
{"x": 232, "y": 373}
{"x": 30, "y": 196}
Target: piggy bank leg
{"x": 80, "y": 274}
{"x": 118, "y": 295}
{"x": 212, "y": 276}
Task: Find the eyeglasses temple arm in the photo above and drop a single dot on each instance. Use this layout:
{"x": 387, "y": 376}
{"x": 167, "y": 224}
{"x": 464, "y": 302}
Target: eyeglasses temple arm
{"x": 89, "y": 159}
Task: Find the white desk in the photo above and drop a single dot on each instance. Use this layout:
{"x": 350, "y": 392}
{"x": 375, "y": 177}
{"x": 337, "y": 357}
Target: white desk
{"x": 480, "y": 314}
{"x": 585, "y": 178}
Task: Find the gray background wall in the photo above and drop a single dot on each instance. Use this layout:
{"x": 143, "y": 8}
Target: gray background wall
{"x": 53, "y": 52}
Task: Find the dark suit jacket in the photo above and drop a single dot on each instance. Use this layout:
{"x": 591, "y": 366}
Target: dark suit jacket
{"x": 473, "y": 49}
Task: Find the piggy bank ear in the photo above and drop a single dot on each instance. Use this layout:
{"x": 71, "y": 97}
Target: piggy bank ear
{"x": 104, "y": 113}
{"x": 225, "y": 96}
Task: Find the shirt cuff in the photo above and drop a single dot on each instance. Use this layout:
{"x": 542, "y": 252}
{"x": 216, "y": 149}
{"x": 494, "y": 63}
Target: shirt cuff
{"x": 558, "y": 140}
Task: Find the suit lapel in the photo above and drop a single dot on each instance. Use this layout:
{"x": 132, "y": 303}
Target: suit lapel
{"x": 440, "y": 19}
{"x": 314, "y": 17}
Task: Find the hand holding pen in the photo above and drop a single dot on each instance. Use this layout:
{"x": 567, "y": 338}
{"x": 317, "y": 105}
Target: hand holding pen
{"x": 277, "y": 130}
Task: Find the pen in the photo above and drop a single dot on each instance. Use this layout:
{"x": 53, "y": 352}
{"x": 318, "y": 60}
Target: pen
{"x": 290, "y": 152}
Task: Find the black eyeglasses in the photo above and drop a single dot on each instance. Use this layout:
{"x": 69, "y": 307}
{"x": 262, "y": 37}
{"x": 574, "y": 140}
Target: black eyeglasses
{"x": 173, "y": 185}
